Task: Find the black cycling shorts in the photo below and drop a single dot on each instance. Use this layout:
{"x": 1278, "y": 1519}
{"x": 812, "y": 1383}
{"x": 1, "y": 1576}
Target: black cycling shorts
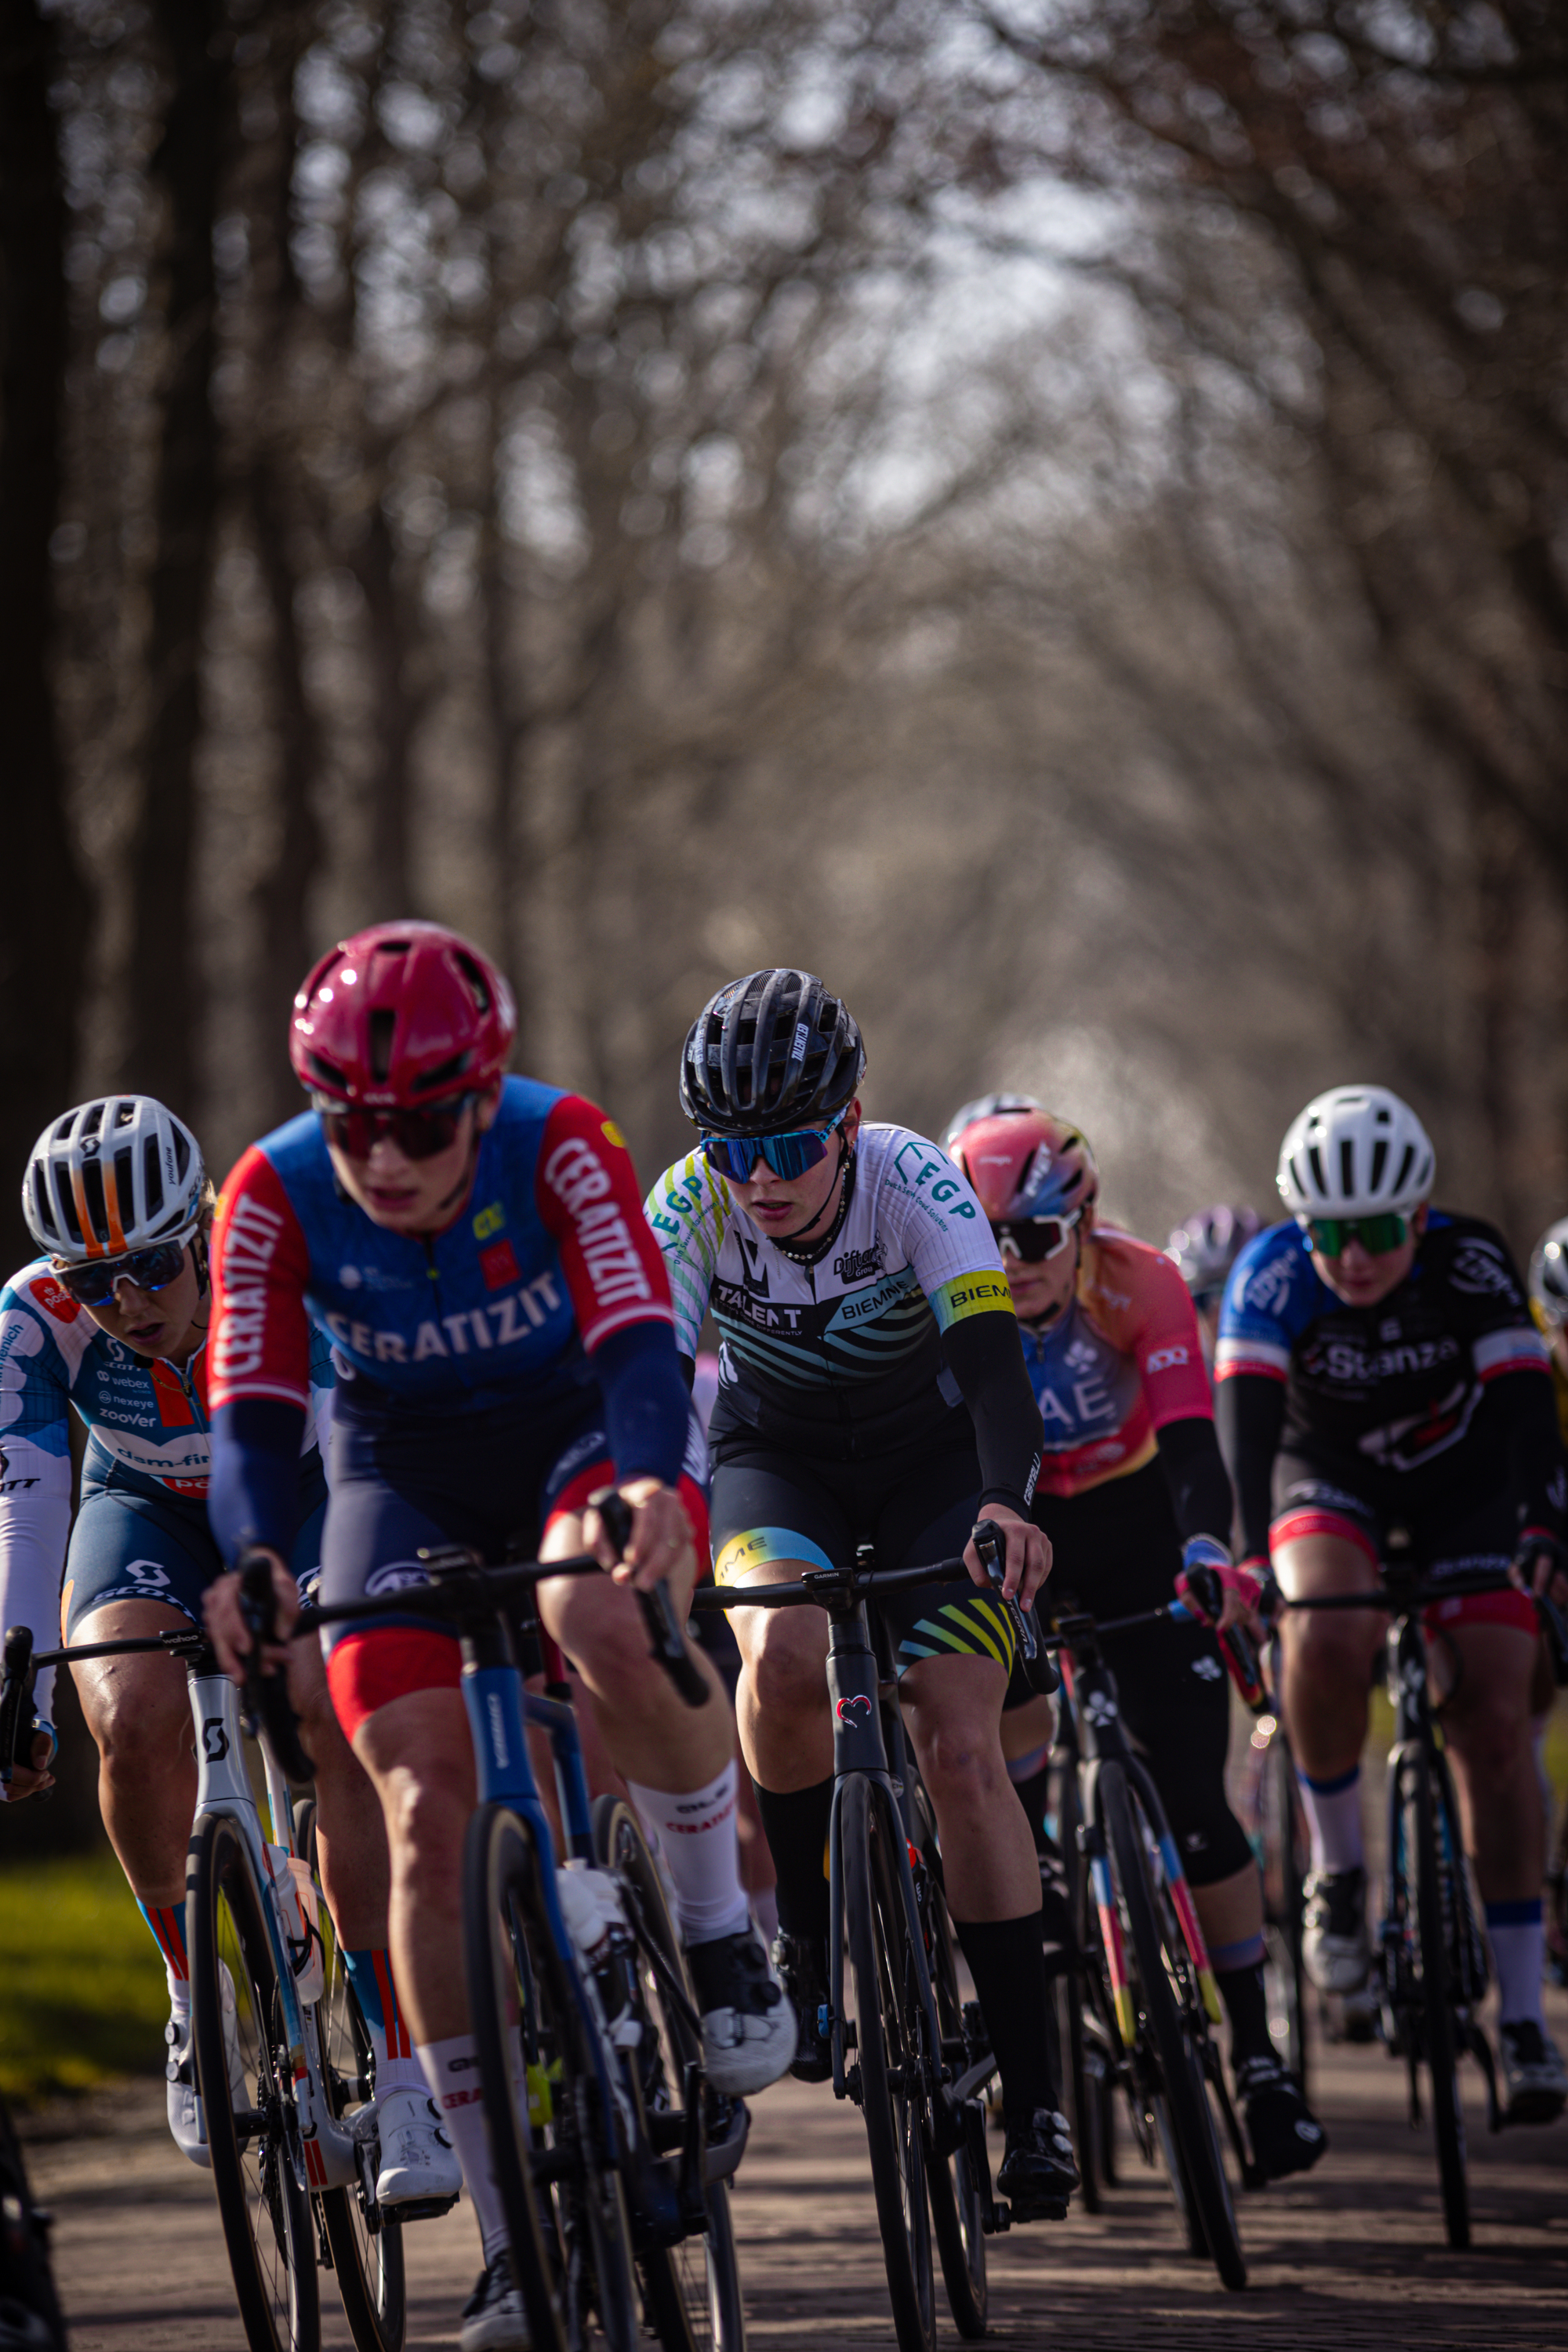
{"x": 1116, "y": 1550}
{"x": 916, "y": 1504}
{"x": 1452, "y": 1533}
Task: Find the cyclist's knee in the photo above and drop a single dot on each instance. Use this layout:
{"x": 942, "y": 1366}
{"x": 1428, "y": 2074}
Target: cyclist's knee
{"x": 1491, "y": 1735}
{"x": 1329, "y": 1651}
{"x": 426, "y": 1808}
{"x": 141, "y": 1726}
{"x": 784, "y": 1670}
{"x": 961, "y": 1764}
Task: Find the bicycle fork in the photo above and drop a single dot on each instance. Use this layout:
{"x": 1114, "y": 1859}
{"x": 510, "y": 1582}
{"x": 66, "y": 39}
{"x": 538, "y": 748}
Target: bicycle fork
{"x": 328, "y": 2152}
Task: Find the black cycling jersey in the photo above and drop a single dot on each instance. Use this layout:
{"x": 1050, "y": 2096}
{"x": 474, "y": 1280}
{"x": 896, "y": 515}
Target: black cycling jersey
{"x": 1440, "y": 1389}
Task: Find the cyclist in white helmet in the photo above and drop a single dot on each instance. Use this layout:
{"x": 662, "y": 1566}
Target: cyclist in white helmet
{"x": 111, "y": 1322}
{"x": 1377, "y": 1368}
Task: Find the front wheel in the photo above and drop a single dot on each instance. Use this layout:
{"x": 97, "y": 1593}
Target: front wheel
{"x": 1159, "y": 1967}
{"x": 691, "y": 2289}
{"x": 566, "y": 2208}
{"x": 889, "y": 2050}
{"x": 957, "y": 2205}
{"x": 368, "y": 2264}
{"x": 247, "y": 2091}
{"x": 1424, "y": 1832}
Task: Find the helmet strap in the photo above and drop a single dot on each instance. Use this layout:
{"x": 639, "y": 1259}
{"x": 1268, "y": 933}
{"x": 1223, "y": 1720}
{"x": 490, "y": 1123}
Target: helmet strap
{"x": 811, "y": 1253}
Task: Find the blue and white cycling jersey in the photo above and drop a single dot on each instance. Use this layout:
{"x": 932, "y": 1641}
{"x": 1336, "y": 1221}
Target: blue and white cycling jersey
{"x": 148, "y": 1433}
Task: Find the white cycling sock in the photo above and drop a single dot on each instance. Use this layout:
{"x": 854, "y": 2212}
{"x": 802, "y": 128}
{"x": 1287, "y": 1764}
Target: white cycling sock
{"x": 1517, "y": 1934}
{"x": 1333, "y": 1820}
{"x": 179, "y": 1995}
{"x": 452, "y": 2070}
{"x": 697, "y": 1829}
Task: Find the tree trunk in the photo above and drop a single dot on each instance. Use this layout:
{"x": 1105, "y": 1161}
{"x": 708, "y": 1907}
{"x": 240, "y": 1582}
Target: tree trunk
{"x": 43, "y": 941}
{"x": 160, "y": 989}
{"x": 283, "y": 894}
{"x": 391, "y": 888}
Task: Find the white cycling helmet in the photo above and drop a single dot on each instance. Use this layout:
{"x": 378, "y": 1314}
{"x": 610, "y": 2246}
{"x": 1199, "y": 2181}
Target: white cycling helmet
{"x": 115, "y": 1174}
{"x": 1354, "y": 1152}
{"x": 1549, "y": 1274}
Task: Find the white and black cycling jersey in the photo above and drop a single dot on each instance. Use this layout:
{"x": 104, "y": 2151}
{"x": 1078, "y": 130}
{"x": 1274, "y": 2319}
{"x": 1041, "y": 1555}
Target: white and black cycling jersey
{"x": 845, "y": 1357}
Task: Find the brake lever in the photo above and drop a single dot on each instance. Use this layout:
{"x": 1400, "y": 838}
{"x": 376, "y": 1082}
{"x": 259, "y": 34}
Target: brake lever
{"x": 665, "y": 1631}
{"x": 14, "y": 1692}
{"x": 267, "y": 1702}
{"x": 1039, "y": 1668}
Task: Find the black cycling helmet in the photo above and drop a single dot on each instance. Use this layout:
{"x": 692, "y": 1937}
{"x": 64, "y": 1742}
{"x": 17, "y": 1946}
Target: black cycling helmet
{"x": 769, "y": 1053}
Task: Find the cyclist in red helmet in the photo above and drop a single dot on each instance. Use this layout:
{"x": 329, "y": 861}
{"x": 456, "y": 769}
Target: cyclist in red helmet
{"x": 474, "y": 1245}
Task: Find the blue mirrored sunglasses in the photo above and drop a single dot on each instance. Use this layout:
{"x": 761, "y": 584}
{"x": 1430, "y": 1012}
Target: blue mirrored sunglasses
{"x": 789, "y": 1155}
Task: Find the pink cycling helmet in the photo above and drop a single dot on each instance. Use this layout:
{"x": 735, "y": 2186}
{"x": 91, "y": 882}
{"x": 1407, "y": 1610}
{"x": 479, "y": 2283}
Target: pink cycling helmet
{"x": 1021, "y": 1161}
{"x": 401, "y": 1015}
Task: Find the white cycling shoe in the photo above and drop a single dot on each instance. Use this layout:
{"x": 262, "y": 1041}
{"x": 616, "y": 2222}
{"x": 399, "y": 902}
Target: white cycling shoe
{"x": 418, "y": 2159}
{"x": 750, "y": 2031}
{"x": 1535, "y": 2081}
{"x": 1334, "y": 1950}
{"x": 186, "y": 2121}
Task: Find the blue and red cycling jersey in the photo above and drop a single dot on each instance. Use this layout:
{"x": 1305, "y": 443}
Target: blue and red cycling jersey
{"x": 547, "y": 1282}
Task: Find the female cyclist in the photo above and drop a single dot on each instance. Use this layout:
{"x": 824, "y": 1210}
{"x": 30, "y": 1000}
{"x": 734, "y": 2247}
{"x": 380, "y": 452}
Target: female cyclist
{"x": 1131, "y": 1492}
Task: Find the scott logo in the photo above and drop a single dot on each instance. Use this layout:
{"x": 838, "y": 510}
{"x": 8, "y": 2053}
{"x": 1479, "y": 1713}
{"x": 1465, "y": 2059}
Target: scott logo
{"x": 847, "y": 1712}
{"x": 215, "y": 1740}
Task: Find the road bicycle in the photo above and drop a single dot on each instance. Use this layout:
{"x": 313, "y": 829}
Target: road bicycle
{"x": 283, "y": 2062}
{"x": 1430, "y": 1958}
{"x": 1140, "y": 1996}
{"x": 1276, "y": 1829}
{"x": 905, "y": 2047}
{"x": 612, "y": 2153}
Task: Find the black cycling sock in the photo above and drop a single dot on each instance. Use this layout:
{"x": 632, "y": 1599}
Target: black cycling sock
{"x": 1247, "y": 2006}
{"x": 1034, "y": 1794}
{"x": 797, "y": 1825}
{"x": 1009, "y": 1964}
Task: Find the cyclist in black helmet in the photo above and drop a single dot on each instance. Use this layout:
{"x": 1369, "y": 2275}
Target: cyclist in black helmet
{"x": 871, "y": 1386}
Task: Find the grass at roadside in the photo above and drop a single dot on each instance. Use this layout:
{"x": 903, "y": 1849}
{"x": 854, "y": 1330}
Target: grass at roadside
{"x": 82, "y": 1990}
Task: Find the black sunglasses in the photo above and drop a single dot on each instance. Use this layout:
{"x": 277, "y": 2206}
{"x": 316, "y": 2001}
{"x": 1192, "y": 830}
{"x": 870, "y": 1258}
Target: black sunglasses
{"x": 418, "y": 1134}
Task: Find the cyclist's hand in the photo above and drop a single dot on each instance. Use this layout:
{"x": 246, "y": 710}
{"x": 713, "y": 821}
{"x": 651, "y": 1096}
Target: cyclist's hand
{"x": 1540, "y": 1565}
{"x": 228, "y": 1630}
{"x": 1241, "y": 1588}
{"x": 28, "y": 1781}
{"x": 660, "y": 1542}
{"x": 1028, "y": 1561}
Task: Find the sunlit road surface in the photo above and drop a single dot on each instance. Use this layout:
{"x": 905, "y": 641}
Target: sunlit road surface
{"x": 1352, "y": 2256}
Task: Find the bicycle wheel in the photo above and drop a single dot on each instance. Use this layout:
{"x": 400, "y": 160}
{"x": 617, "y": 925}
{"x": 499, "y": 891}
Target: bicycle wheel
{"x": 29, "y": 2304}
{"x": 957, "y": 2210}
{"x": 566, "y": 2208}
{"x": 1433, "y": 1910}
{"x": 368, "y": 2264}
{"x": 1159, "y": 1969}
{"x": 1284, "y": 1869}
{"x": 1084, "y": 2103}
{"x": 888, "y": 2040}
{"x": 691, "y": 2289}
{"x": 247, "y": 2094}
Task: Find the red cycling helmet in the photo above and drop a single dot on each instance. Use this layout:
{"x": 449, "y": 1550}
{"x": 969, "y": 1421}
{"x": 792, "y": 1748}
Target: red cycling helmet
{"x": 1021, "y": 1161}
{"x": 401, "y": 1015}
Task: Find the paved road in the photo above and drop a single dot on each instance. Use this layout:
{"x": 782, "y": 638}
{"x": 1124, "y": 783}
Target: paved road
{"x": 1352, "y": 2258}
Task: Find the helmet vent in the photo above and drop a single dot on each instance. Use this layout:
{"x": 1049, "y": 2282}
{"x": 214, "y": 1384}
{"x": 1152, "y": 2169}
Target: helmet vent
{"x": 152, "y": 1172}
{"x": 382, "y": 1025}
{"x": 93, "y": 1118}
{"x": 125, "y": 1183}
{"x": 475, "y": 980}
{"x": 446, "y": 1076}
{"x": 92, "y": 1187}
{"x": 328, "y": 1072}
{"x": 44, "y": 1208}
{"x": 1347, "y": 1167}
{"x": 1404, "y": 1167}
{"x": 1314, "y": 1161}
{"x": 1379, "y": 1159}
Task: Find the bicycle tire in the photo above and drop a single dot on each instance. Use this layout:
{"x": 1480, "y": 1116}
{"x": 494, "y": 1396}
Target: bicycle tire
{"x": 691, "y": 2290}
{"x": 1186, "y": 2092}
{"x": 367, "y": 2263}
{"x": 1068, "y": 1991}
{"x": 565, "y": 2209}
{"x": 1435, "y": 2037}
{"x": 957, "y": 2206}
{"x": 28, "y": 2295}
{"x": 258, "y": 2178}
{"x": 1283, "y": 1877}
{"x": 888, "y": 2054}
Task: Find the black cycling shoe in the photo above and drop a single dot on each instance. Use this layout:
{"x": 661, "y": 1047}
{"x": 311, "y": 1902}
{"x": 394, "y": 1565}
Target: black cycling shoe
{"x": 1056, "y": 1912}
{"x": 1285, "y": 2135}
{"x": 802, "y": 1968}
{"x": 1037, "y": 2174}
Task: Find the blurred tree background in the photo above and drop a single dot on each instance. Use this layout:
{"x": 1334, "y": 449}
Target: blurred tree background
{"x": 1049, "y": 513}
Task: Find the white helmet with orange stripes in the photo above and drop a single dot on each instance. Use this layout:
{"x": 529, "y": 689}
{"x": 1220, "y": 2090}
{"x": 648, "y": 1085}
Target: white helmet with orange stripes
{"x": 118, "y": 1173}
